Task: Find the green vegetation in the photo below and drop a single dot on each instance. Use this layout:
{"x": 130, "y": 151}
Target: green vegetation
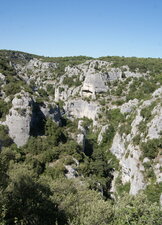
{"x": 141, "y": 88}
{"x": 125, "y": 127}
{"x": 4, "y": 108}
{"x": 72, "y": 81}
{"x": 63, "y": 62}
{"x": 50, "y": 89}
{"x": 136, "y": 211}
{"x": 67, "y": 61}
{"x": 146, "y": 112}
{"x": 13, "y": 83}
{"x": 34, "y": 188}
{"x": 147, "y": 115}
{"x": 5, "y": 140}
{"x": 153, "y": 192}
{"x": 121, "y": 188}
{"x": 153, "y": 65}
{"x": 151, "y": 148}
{"x": 115, "y": 117}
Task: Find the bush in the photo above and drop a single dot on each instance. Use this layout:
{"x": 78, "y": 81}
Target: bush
{"x": 28, "y": 202}
{"x": 136, "y": 210}
{"x": 5, "y": 140}
{"x": 4, "y": 108}
{"x": 151, "y": 148}
{"x": 72, "y": 81}
{"x": 153, "y": 192}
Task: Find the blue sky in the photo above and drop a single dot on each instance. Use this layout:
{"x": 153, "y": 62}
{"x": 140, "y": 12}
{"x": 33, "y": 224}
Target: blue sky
{"x": 82, "y": 27}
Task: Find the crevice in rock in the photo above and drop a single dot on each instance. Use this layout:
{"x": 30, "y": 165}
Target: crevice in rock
{"x": 38, "y": 120}
{"x": 87, "y": 91}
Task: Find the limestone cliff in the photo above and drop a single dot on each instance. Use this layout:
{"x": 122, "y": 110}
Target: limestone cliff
{"x": 124, "y": 106}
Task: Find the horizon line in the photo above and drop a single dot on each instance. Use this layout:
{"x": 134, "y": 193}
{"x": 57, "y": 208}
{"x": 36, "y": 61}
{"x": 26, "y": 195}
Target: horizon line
{"x": 66, "y": 56}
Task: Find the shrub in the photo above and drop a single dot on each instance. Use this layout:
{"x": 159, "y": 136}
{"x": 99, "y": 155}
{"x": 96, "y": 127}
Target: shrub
{"x": 153, "y": 192}
{"x": 5, "y": 140}
{"x": 136, "y": 210}
{"x": 151, "y": 148}
{"x": 4, "y": 108}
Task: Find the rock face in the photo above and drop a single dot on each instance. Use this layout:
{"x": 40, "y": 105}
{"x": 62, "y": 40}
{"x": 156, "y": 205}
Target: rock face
{"x": 81, "y": 137}
{"x": 155, "y": 125}
{"x": 19, "y": 118}
{"x": 129, "y": 106}
{"x": 157, "y": 169}
{"x": 52, "y": 112}
{"x": 80, "y": 109}
{"x": 38, "y": 64}
{"x": 131, "y": 168}
{"x": 90, "y": 90}
{"x": 94, "y": 83}
{"x": 102, "y": 132}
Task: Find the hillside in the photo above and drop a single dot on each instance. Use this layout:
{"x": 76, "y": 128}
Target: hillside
{"x": 80, "y": 140}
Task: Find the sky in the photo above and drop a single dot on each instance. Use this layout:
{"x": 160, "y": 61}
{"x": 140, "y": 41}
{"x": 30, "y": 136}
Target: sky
{"x": 82, "y": 27}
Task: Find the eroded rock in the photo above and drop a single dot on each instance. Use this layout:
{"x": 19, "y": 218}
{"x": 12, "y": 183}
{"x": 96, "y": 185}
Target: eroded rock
{"x": 19, "y": 118}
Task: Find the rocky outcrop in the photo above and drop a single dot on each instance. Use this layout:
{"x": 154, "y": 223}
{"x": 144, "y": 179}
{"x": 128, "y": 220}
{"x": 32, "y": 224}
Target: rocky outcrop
{"x": 129, "y": 106}
{"x": 19, "y": 118}
{"x": 71, "y": 172}
{"x": 90, "y": 90}
{"x": 94, "y": 83}
{"x": 79, "y": 109}
{"x": 157, "y": 169}
{"x": 63, "y": 93}
{"x": 2, "y": 77}
{"x": 52, "y": 112}
{"x": 155, "y": 125}
{"x": 129, "y": 160}
{"x": 102, "y": 132}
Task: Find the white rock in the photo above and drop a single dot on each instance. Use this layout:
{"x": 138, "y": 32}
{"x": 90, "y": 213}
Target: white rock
{"x": 135, "y": 123}
{"x": 118, "y": 148}
{"x": 157, "y": 92}
{"x": 72, "y": 173}
{"x": 2, "y": 77}
{"x": 131, "y": 166}
{"x": 157, "y": 169}
{"x": 100, "y": 136}
{"x": 19, "y": 118}
{"x": 53, "y": 112}
{"x": 94, "y": 83}
{"x": 146, "y": 160}
{"x": 129, "y": 106}
{"x": 155, "y": 126}
{"x": 79, "y": 109}
{"x": 81, "y": 141}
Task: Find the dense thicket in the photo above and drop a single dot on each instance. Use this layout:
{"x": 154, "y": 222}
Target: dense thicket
{"x": 34, "y": 189}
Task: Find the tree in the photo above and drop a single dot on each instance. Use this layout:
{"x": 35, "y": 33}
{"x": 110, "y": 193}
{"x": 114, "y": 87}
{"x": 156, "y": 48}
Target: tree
{"x": 28, "y": 202}
{"x": 136, "y": 210}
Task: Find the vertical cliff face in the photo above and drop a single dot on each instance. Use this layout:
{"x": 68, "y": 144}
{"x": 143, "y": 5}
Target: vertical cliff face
{"x": 116, "y": 110}
{"x": 19, "y": 118}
